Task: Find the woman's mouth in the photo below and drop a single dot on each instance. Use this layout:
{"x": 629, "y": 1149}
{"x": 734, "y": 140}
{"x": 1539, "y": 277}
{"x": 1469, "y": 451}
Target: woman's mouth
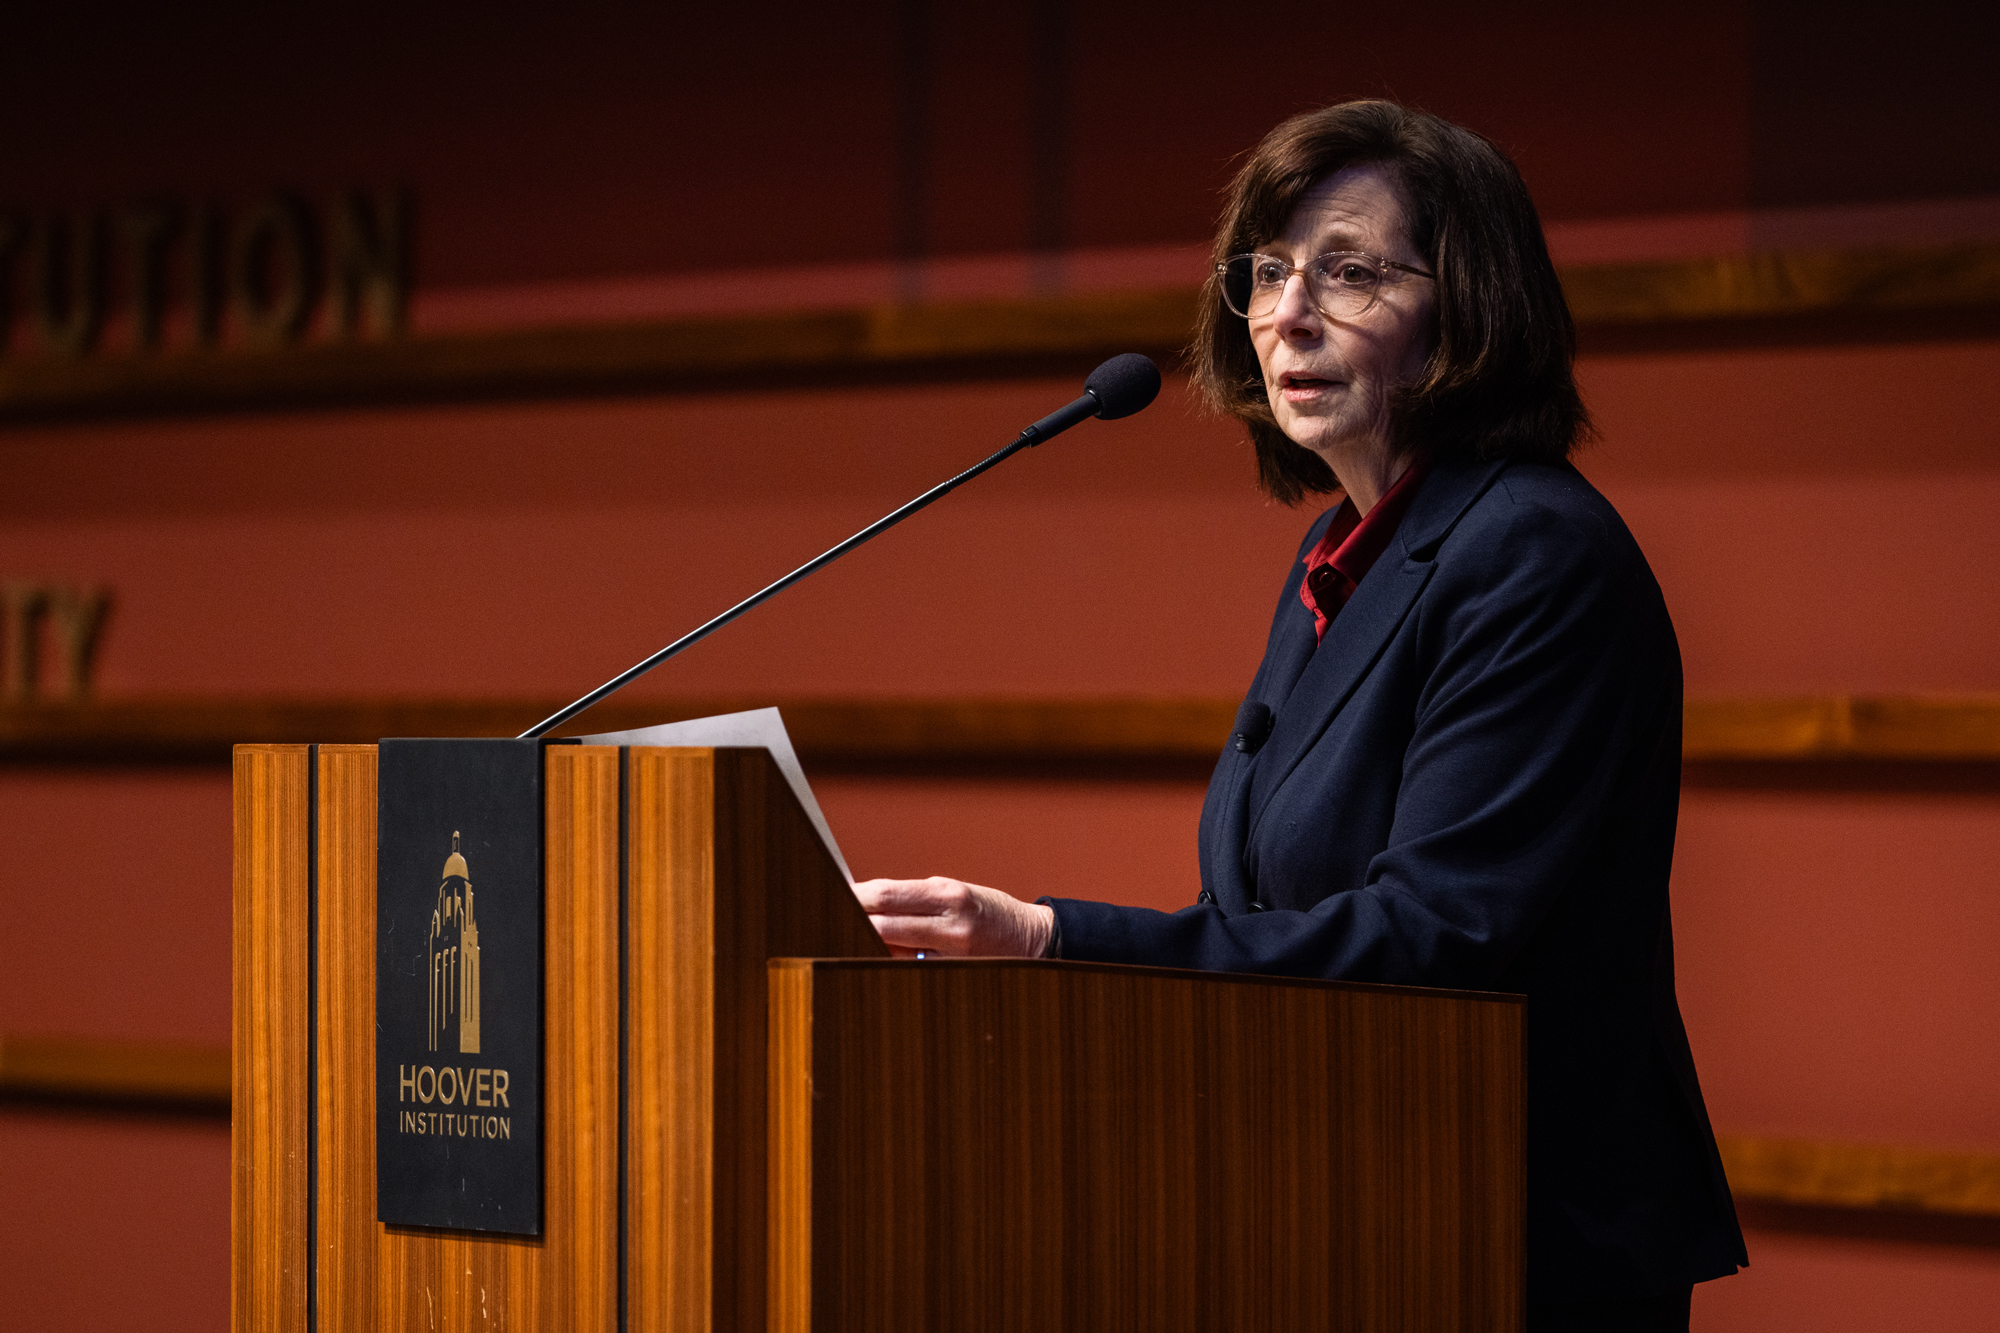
{"x": 1299, "y": 388}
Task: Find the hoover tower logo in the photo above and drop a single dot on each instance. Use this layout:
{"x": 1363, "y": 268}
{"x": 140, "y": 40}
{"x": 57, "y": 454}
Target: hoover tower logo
{"x": 454, "y": 959}
{"x": 458, "y": 985}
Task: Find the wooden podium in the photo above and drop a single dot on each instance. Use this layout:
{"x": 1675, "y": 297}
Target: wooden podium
{"x": 753, "y": 1118}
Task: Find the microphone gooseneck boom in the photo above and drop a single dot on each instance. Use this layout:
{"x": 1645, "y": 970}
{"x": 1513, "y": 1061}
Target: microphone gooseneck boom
{"x": 1118, "y": 388}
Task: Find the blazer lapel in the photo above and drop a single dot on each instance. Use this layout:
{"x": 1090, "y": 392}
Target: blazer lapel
{"x": 1223, "y": 810}
{"x": 1353, "y": 641}
{"x": 1291, "y": 648}
{"x": 1292, "y": 639}
{"x": 1364, "y": 627}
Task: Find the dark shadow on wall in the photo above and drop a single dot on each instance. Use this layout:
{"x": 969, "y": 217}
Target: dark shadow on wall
{"x": 1875, "y": 1224}
{"x": 1856, "y": 104}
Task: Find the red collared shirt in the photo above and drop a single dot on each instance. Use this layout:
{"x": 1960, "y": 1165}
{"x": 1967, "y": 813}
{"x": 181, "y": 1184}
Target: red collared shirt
{"x": 1351, "y": 546}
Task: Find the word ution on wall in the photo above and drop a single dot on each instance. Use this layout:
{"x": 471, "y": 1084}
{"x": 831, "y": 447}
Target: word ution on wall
{"x": 161, "y": 273}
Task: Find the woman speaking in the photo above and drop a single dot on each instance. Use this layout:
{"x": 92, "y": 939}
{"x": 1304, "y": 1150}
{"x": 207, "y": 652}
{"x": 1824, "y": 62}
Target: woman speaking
{"x": 1459, "y": 762}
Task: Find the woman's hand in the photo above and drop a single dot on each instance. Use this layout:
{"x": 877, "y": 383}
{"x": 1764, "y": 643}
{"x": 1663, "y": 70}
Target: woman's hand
{"x": 949, "y": 916}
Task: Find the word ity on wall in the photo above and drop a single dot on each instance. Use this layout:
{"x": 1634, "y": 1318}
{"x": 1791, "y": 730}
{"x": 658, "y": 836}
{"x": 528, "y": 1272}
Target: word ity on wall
{"x": 49, "y": 625}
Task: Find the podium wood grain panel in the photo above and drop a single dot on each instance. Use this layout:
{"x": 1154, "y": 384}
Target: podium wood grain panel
{"x": 580, "y": 1198}
{"x": 349, "y": 1264}
{"x": 1139, "y": 1149}
{"x": 383, "y": 1278}
{"x": 670, "y": 877}
{"x": 268, "y": 1072}
{"x": 788, "y": 1075}
{"x": 724, "y": 873}
{"x": 777, "y": 893}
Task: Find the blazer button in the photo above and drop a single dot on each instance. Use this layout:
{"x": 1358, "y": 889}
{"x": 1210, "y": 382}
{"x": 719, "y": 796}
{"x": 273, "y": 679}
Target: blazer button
{"x": 1258, "y": 907}
{"x": 1253, "y": 725}
{"x": 1205, "y": 898}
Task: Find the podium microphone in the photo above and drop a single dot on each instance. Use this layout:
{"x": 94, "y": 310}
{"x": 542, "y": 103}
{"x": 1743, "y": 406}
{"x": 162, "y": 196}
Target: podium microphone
{"x": 1118, "y": 388}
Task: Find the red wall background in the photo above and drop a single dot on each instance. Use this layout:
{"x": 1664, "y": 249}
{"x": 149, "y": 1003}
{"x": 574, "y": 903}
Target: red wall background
{"x": 1819, "y": 515}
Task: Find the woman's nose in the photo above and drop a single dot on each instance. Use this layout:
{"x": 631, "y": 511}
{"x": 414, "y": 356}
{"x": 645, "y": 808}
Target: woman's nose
{"x": 1295, "y": 314}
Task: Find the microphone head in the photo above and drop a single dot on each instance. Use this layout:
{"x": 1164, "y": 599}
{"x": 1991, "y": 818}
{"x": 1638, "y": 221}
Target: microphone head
{"x": 1123, "y": 385}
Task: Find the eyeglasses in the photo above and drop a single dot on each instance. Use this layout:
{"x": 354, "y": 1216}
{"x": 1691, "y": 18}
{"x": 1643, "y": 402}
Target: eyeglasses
{"x": 1341, "y": 285}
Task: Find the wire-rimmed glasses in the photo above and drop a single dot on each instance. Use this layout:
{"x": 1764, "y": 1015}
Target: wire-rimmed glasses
{"x": 1342, "y": 284}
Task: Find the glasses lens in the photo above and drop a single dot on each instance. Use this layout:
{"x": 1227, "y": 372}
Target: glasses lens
{"x": 1344, "y": 285}
{"x": 1252, "y": 284}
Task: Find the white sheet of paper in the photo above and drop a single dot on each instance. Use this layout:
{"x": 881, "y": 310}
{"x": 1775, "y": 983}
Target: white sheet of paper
{"x": 758, "y": 728}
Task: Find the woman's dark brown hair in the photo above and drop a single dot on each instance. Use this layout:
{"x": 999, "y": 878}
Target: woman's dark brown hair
{"x": 1499, "y": 381}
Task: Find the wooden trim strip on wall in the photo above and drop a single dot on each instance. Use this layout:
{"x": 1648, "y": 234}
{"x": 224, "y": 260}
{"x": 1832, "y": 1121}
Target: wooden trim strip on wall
{"x": 1862, "y": 1175}
{"x": 911, "y": 343}
{"x": 1784, "y": 284}
{"x": 93, "y": 1072}
{"x": 1932, "y": 728}
{"x": 96, "y": 1071}
{"x": 885, "y": 733}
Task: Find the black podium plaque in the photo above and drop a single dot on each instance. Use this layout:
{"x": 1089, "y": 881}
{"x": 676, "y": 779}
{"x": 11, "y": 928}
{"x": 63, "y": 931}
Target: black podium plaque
{"x": 458, "y": 985}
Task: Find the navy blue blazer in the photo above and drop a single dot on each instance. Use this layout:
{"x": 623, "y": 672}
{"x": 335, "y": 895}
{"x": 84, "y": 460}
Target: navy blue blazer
{"x": 1473, "y": 783}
